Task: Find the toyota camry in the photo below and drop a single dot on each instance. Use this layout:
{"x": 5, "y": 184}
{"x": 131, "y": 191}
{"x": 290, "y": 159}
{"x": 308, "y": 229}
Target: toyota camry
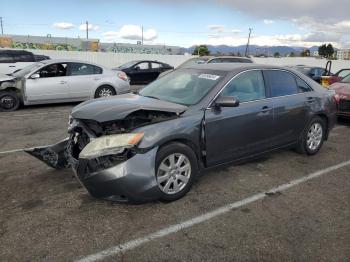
{"x": 152, "y": 145}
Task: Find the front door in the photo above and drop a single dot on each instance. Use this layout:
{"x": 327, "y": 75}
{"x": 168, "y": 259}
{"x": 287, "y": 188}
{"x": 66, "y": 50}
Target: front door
{"x": 236, "y": 132}
{"x": 52, "y": 84}
{"x": 141, "y": 73}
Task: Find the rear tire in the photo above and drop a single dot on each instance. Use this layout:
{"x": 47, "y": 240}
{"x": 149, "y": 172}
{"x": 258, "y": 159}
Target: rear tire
{"x": 312, "y": 138}
{"x": 105, "y": 91}
{"x": 176, "y": 169}
{"x": 9, "y": 101}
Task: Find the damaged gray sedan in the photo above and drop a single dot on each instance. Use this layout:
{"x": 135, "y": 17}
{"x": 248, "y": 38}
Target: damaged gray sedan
{"x": 152, "y": 145}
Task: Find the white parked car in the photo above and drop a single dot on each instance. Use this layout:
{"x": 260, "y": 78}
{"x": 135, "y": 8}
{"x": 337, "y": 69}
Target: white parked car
{"x": 58, "y": 81}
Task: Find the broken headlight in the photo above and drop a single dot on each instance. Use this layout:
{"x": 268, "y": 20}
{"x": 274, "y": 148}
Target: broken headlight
{"x": 110, "y": 145}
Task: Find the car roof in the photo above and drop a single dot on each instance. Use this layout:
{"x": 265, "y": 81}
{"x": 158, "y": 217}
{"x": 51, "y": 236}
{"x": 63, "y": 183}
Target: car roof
{"x": 9, "y": 51}
{"x": 227, "y": 56}
{"x": 229, "y": 67}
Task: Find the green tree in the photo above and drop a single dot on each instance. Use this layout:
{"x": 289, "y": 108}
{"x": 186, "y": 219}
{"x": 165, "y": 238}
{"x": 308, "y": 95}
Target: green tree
{"x": 201, "y": 50}
{"x": 276, "y": 54}
{"x": 326, "y": 50}
{"x": 305, "y": 52}
{"x": 292, "y": 54}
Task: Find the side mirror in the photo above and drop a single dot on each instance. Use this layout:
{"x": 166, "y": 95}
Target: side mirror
{"x": 227, "y": 101}
{"x": 35, "y": 76}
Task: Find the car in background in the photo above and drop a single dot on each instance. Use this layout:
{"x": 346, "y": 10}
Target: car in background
{"x": 194, "y": 61}
{"x": 143, "y": 71}
{"x": 229, "y": 59}
{"x": 39, "y": 58}
{"x": 314, "y": 73}
{"x": 13, "y": 60}
{"x": 338, "y": 76}
{"x": 342, "y": 96}
{"x": 58, "y": 81}
{"x": 153, "y": 145}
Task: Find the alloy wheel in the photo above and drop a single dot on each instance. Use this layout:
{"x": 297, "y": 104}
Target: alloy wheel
{"x": 105, "y": 92}
{"x": 314, "y": 136}
{"x": 174, "y": 173}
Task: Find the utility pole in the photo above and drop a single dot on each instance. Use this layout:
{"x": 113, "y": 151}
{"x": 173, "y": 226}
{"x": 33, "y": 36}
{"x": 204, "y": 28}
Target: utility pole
{"x": 87, "y": 30}
{"x": 247, "y": 47}
{"x": 142, "y": 35}
{"x": 2, "y": 28}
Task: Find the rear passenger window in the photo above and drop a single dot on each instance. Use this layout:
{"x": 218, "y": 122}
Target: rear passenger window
{"x": 281, "y": 83}
{"x": 246, "y": 87}
{"x": 78, "y": 69}
{"x": 302, "y": 86}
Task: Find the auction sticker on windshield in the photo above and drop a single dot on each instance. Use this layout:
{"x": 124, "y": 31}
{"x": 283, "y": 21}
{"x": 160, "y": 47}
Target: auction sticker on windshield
{"x": 209, "y": 76}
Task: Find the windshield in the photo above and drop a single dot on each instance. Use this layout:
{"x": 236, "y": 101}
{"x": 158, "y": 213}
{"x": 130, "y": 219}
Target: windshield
{"x": 194, "y": 61}
{"x": 182, "y": 87}
{"x": 346, "y": 79}
{"x": 26, "y": 70}
{"x": 127, "y": 65}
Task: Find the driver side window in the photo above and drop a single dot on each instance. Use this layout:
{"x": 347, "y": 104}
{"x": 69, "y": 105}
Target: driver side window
{"x": 53, "y": 70}
{"x": 248, "y": 86}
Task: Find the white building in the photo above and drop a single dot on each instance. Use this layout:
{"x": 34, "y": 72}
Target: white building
{"x": 343, "y": 54}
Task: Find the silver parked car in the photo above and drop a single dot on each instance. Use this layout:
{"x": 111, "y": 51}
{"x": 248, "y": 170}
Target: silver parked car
{"x": 57, "y": 81}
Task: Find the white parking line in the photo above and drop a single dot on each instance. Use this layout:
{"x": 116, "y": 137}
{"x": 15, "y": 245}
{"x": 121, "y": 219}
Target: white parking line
{"x": 205, "y": 217}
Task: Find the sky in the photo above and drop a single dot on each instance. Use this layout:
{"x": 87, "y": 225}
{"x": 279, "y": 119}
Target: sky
{"x": 185, "y": 22}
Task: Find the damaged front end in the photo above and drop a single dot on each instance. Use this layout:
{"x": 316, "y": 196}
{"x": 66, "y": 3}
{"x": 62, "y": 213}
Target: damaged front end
{"x": 105, "y": 157}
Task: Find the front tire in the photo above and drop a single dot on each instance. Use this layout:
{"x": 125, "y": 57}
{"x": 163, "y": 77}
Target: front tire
{"x": 313, "y": 136}
{"x": 9, "y": 101}
{"x": 176, "y": 169}
{"x": 105, "y": 91}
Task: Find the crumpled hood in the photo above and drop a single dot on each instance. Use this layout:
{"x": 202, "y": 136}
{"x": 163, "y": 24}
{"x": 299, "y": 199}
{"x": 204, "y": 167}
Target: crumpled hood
{"x": 118, "y": 107}
{"x": 6, "y": 78}
{"x": 341, "y": 88}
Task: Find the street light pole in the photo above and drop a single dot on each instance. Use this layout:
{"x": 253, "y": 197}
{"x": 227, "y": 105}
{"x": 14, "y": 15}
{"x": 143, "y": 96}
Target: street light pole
{"x": 246, "y": 48}
{"x": 2, "y": 29}
{"x": 87, "y": 30}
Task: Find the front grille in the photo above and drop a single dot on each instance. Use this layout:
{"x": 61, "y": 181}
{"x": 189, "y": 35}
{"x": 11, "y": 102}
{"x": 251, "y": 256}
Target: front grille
{"x": 344, "y": 105}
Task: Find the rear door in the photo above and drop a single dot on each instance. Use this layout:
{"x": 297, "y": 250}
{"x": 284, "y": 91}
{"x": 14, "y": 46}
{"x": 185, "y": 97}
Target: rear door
{"x": 83, "y": 79}
{"x": 236, "y": 132}
{"x": 141, "y": 73}
{"x": 291, "y": 104}
{"x": 50, "y": 86}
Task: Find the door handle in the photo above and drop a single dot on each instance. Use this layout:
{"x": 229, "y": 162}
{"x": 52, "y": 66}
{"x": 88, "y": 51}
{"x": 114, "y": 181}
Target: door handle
{"x": 265, "y": 109}
{"x": 63, "y": 82}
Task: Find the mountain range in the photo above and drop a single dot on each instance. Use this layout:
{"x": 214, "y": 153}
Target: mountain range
{"x": 253, "y": 49}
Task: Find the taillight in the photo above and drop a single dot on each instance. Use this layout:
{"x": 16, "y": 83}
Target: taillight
{"x": 123, "y": 76}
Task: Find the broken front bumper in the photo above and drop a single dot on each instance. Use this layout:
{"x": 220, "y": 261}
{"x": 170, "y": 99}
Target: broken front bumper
{"x": 132, "y": 180}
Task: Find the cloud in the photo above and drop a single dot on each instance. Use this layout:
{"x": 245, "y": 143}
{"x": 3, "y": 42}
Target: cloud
{"x": 297, "y": 40}
{"x": 217, "y": 28}
{"x": 268, "y": 22}
{"x": 91, "y": 27}
{"x": 131, "y": 32}
{"x": 63, "y": 25}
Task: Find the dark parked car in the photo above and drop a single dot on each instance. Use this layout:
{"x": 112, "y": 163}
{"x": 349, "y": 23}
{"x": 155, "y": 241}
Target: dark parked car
{"x": 153, "y": 145}
{"x": 314, "y": 73}
{"x": 144, "y": 72}
{"x": 39, "y": 58}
